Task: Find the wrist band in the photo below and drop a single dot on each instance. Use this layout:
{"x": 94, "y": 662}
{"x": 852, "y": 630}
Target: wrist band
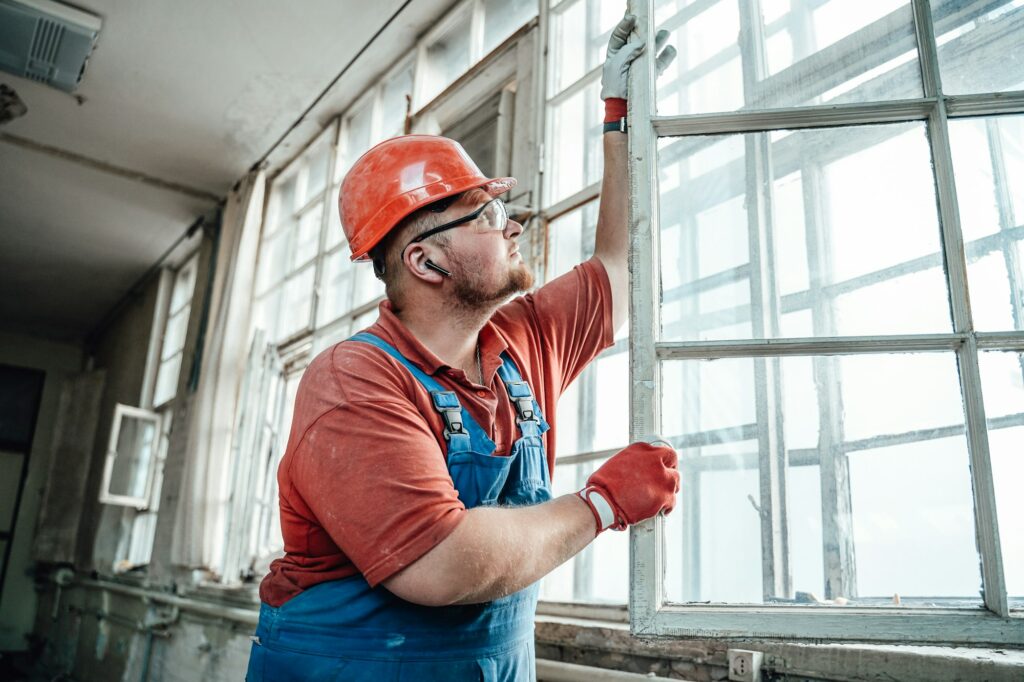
{"x": 603, "y": 512}
{"x": 615, "y": 126}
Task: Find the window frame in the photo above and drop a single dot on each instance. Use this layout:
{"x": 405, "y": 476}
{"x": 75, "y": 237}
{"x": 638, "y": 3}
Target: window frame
{"x": 121, "y": 411}
{"x": 650, "y": 614}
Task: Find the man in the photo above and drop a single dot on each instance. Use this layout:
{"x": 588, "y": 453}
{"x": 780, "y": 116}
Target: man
{"x": 415, "y": 489}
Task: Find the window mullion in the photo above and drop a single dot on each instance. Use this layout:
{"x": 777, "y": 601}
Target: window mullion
{"x": 764, "y": 312}
{"x": 985, "y": 517}
{"x": 647, "y": 538}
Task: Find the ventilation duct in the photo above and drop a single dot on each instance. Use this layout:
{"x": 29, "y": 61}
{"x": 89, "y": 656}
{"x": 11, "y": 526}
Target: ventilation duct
{"x": 46, "y": 41}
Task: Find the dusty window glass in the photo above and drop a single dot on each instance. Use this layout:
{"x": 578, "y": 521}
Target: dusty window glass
{"x": 855, "y": 434}
{"x": 1002, "y": 382}
{"x": 131, "y": 456}
{"x": 574, "y": 131}
{"x": 447, "y": 57}
{"x": 821, "y": 240}
{"x": 503, "y": 17}
{"x": 988, "y": 162}
{"x": 393, "y": 103}
{"x": 172, "y": 348}
{"x": 979, "y": 45}
{"x": 791, "y": 54}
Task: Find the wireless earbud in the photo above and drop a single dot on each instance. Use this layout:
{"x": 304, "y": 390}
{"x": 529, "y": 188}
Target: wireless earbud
{"x": 436, "y": 268}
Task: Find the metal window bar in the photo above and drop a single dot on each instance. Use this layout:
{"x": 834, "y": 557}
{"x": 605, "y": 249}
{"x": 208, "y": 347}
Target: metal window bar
{"x": 649, "y": 613}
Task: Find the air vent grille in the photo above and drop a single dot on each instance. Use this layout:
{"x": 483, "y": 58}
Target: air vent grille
{"x": 42, "y": 57}
{"x": 46, "y": 41}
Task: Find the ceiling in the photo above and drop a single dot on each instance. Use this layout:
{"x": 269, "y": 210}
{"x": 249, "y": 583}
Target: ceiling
{"x": 177, "y": 102}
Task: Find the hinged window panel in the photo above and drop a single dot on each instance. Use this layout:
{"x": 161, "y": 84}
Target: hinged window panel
{"x": 131, "y": 457}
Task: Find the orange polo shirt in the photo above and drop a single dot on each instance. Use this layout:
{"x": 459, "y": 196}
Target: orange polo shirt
{"x": 364, "y": 486}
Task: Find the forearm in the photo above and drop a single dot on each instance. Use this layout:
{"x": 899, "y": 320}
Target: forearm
{"x": 611, "y": 245}
{"x": 496, "y": 551}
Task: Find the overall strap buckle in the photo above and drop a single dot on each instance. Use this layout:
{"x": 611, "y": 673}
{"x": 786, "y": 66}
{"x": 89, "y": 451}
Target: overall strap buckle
{"x": 447, "y": 403}
{"x": 522, "y": 400}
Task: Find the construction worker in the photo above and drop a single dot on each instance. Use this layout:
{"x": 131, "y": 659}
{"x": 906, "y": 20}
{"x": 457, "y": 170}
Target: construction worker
{"x": 415, "y": 494}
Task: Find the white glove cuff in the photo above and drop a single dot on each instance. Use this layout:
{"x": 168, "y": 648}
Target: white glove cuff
{"x": 605, "y": 513}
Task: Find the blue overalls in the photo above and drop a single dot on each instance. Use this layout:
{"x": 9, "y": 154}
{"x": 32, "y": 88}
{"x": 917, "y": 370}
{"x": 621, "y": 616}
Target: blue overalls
{"x": 344, "y": 630}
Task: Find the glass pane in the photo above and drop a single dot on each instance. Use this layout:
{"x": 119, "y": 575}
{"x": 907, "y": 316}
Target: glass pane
{"x": 980, "y": 47}
{"x": 813, "y": 52}
{"x": 265, "y": 312}
{"x": 184, "y": 283}
{"x": 579, "y": 39}
{"x": 571, "y": 239}
{"x": 297, "y": 299}
{"x": 873, "y": 443}
{"x": 316, "y": 177}
{"x": 447, "y": 58}
{"x": 576, "y": 158}
{"x": 988, "y": 160}
{"x": 358, "y": 138}
{"x": 273, "y": 260}
{"x": 174, "y": 337}
{"x": 336, "y": 287}
{"x": 335, "y": 233}
{"x": 167, "y": 379}
{"x": 600, "y": 573}
{"x": 133, "y": 457}
{"x": 858, "y": 267}
{"x": 10, "y": 474}
{"x": 503, "y": 17}
{"x": 307, "y": 238}
{"x": 368, "y": 287}
{"x": 1002, "y": 382}
{"x": 394, "y": 105}
{"x": 282, "y": 203}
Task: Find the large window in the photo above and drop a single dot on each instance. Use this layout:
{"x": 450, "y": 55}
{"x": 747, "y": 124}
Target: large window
{"x": 831, "y": 330}
{"x": 134, "y": 467}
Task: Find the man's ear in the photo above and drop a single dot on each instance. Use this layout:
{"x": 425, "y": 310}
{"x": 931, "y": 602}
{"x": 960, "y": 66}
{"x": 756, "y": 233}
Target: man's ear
{"x": 421, "y": 262}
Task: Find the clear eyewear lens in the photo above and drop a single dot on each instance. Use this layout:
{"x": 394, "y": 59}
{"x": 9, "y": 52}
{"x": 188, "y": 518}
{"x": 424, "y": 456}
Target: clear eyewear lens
{"x": 494, "y": 216}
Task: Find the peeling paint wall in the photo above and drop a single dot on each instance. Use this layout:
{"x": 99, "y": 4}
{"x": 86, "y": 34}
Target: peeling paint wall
{"x": 58, "y": 360}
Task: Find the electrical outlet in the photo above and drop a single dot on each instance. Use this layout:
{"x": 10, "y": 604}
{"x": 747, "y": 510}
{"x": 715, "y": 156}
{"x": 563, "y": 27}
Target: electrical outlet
{"x": 745, "y": 666}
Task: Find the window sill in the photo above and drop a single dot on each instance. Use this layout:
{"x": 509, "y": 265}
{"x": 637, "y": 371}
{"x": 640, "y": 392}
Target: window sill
{"x": 609, "y": 645}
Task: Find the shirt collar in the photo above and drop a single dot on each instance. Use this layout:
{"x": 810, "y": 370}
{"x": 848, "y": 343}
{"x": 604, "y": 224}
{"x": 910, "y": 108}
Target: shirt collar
{"x": 392, "y": 330}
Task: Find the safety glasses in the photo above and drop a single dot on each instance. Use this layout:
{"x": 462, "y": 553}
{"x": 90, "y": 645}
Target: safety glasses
{"x": 492, "y": 216}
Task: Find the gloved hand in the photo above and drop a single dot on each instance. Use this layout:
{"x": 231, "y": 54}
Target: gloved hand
{"x": 615, "y": 74}
{"x": 635, "y": 484}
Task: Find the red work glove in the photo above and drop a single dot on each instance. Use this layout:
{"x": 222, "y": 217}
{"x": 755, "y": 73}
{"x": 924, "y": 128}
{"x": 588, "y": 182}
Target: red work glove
{"x": 635, "y": 484}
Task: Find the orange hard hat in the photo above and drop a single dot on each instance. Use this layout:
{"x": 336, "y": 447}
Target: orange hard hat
{"x": 400, "y": 176}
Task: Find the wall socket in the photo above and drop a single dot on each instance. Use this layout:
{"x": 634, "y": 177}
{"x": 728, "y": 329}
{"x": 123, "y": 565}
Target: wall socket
{"x": 745, "y": 666}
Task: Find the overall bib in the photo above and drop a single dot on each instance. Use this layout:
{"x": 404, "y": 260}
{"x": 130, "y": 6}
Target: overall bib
{"x": 344, "y": 630}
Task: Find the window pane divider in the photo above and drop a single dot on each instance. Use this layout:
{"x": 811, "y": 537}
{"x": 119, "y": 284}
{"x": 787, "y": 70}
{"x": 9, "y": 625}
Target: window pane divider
{"x": 843, "y": 623}
{"x": 985, "y": 105}
{"x": 1010, "y": 341}
{"x": 985, "y": 516}
{"x": 819, "y": 116}
{"x": 580, "y": 84}
{"x": 571, "y": 203}
{"x": 583, "y": 457}
{"x": 849, "y": 345}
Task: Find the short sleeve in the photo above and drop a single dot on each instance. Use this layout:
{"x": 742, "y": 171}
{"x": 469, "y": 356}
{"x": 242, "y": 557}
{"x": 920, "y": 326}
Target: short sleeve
{"x": 375, "y": 478}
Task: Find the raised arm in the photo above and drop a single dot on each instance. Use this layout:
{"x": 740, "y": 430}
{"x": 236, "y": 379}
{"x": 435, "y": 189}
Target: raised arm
{"x": 612, "y": 239}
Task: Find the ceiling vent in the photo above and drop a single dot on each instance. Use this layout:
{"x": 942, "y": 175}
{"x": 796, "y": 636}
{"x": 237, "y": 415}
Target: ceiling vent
{"x": 46, "y": 41}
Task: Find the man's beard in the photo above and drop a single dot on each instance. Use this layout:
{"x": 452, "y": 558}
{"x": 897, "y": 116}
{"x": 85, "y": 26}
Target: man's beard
{"x": 471, "y": 293}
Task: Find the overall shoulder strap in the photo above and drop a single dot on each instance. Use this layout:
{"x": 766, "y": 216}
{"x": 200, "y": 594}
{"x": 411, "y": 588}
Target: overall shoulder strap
{"x": 526, "y": 406}
{"x": 460, "y": 429}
